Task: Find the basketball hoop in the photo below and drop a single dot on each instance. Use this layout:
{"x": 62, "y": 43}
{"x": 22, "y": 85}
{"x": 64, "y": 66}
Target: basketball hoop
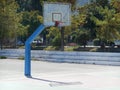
{"x": 58, "y": 24}
{"x": 57, "y": 14}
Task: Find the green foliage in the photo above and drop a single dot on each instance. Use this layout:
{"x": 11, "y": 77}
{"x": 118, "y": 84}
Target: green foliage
{"x": 52, "y": 48}
{"x": 89, "y": 24}
{"x": 102, "y": 3}
{"x": 108, "y": 27}
{"x": 31, "y": 20}
{"x": 64, "y": 1}
{"x": 100, "y": 19}
{"x": 3, "y": 57}
{"x": 116, "y": 4}
{"x": 56, "y": 41}
{"x": 21, "y": 58}
{"x": 10, "y": 27}
{"x": 82, "y": 37}
{"x": 29, "y": 5}
{"x": 96, "y": 42}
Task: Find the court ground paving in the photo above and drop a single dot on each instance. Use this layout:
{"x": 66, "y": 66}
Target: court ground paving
{"x": 58, "y": 76}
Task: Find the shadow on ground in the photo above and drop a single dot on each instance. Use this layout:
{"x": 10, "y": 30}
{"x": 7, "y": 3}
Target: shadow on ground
{"x": 54, "y": 83}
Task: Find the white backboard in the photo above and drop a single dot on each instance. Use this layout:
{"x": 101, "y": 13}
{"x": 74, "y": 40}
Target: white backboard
{"x": 53, "y": 12}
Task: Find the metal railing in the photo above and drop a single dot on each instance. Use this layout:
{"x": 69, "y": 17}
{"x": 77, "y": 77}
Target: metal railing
{"x": 100, "y": 58}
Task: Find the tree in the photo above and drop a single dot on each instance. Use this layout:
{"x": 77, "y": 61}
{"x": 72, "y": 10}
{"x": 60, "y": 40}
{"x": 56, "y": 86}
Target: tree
{"x": 82, "y": 37}
{"x": 53, "y": 32}
{"x": 57, "y": 41}
{"x": 29, "y": 5}
{"x": 10, "y": 25}
{"x": 31, "y": 19}
{"x": 102, "y": 3}
{"x": 116, "y": 5}
{"x": 108, "y": 28}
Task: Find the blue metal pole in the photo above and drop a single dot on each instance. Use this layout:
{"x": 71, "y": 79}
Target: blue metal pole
{"x": 27, "y": 59}
{"x": 28, "y": 49}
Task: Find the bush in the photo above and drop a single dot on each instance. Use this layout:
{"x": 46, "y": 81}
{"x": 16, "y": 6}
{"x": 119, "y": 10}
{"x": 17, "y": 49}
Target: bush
{"x": 3, "y": 57}
{"x": 21, "y": 57}
{"x": 51, "y": 48}
{"x": 56, "y": 41}
{"x": 96, "y": 42}
{"x": 82, "y": 38}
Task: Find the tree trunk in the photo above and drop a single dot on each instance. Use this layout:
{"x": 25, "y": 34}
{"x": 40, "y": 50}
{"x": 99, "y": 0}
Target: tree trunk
{"x": 1, "y": 45}
{"x": 62, "y": 39}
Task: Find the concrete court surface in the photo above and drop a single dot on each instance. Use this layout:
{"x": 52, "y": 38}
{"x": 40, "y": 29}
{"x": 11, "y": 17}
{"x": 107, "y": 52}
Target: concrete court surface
{"x": 58, "y": 76}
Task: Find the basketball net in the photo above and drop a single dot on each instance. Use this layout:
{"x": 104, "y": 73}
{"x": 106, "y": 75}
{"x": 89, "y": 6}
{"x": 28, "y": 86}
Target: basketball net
{"x": 58, "y": 24}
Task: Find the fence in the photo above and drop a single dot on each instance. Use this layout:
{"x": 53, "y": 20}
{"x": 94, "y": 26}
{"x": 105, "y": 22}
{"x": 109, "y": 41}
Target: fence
{"x": 100, "y": 58}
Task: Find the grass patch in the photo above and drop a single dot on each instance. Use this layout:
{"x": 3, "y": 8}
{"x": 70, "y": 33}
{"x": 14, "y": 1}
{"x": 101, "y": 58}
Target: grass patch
{"x": 38, "y": 47}
{"x": 70, "y": 48}
{"x": 52, "y": 48}
{"x": 3, "y": 57}
{"x": 93, "y": 49}
{"x": 21, "y": 47}
{"x": 21, "y": 58}
{"x": 77, "y": 48}
{"x": 83, "y": 49}
{"x": 108, "y": 50}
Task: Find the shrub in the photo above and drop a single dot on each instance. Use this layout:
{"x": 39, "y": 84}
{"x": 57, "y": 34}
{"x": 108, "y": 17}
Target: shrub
{"x": 82, "y": 38}
{"x": 3, "y": 57}
{"x": 96, "y": 42}
{"x": 56, "y": 41}
{"x": 21, "y": 58}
